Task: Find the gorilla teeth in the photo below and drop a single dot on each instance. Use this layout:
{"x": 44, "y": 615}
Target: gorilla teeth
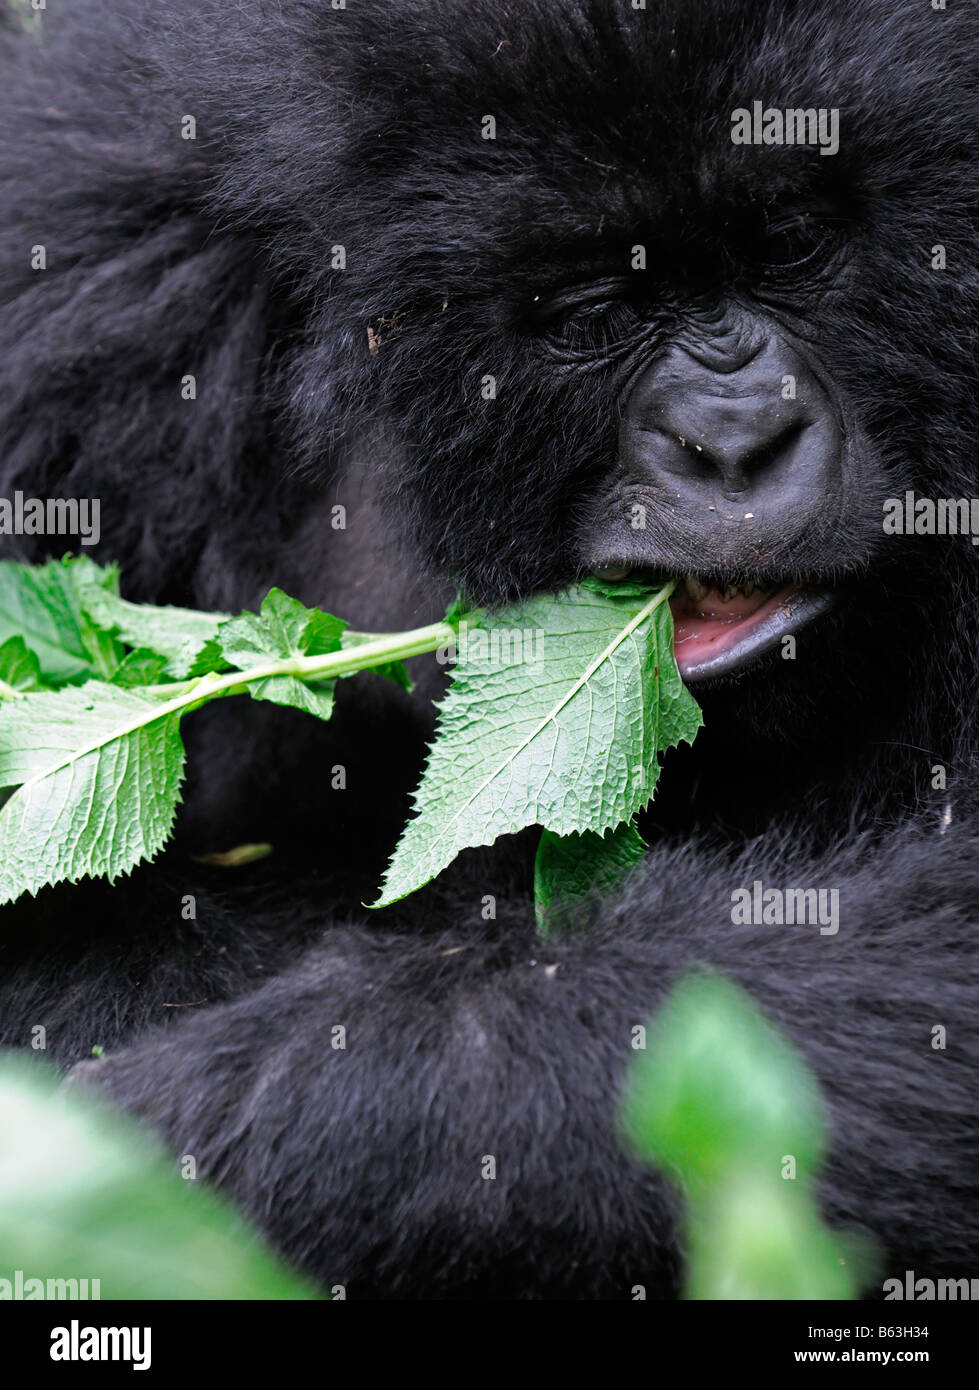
{"x": 698, "y": 590}
{"x": 694, "y": 587}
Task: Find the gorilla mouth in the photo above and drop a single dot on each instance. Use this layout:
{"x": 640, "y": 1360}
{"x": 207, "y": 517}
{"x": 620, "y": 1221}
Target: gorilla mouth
{"x": 719, "y": 629}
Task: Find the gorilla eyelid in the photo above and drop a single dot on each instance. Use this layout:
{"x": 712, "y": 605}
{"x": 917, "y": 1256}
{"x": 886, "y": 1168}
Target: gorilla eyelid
{"x": 594, "y": 298}
{"x": 811, "y": 236}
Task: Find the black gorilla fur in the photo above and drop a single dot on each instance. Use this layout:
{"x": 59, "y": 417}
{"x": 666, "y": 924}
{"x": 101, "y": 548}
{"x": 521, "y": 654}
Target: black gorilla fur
{"x": 319, "y": 127}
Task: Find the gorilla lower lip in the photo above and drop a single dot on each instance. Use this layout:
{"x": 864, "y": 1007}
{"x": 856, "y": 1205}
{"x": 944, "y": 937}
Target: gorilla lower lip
{"x": 721, "y": 634}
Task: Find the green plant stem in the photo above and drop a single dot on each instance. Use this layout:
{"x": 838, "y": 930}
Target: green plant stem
{"x": 397, "y": 646}
{"x": 200, "y": 691}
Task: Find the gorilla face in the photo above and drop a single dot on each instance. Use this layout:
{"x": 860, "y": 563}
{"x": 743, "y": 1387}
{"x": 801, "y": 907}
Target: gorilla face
{"x": 610, "y": 339}
{"x": 732, "y": 458}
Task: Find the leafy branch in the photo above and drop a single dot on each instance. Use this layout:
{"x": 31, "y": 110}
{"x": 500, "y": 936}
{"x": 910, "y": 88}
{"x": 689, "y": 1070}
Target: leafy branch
{"x": 556, "y": 715}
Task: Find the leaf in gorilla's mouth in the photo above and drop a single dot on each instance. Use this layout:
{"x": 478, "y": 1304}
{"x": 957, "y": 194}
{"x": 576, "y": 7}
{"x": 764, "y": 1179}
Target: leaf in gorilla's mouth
{"x": 721, "y": 629}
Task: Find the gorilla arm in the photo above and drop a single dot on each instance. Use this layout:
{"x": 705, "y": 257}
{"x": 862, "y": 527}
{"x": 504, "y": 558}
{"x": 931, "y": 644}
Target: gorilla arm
{"x": 363, "y": 1152}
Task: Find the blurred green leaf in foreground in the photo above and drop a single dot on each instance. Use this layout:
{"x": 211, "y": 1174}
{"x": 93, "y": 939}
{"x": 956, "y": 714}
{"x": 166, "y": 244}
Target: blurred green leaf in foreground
{"x": 723, "y": 1103}
{"x": 87, "y": 1194}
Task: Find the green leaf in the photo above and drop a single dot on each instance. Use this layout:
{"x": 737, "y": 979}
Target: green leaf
{"x": 192, "y": 659}
{"x": 139, "y": 667}
{"x": 87, "y": 1194}
{"x": 567, "y": 735}
{"x": 285, "y": 628}
{"x": 457, "y": 610}
{"x": 42, "y": 604}
{"x": 184, "y": 637}
{"x": 19, "y": 666}
{"x": 728, "y": 1108}
{"x": 718, "y": 1086}
{"x": 98, "y": 771}
{"x": 98, "y": 766}
{"x": 762, "y": 1237}
{"x": 568, "y": 868}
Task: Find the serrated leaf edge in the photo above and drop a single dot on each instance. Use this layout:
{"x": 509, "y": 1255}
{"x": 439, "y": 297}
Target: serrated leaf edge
{"x": 645, "y": 612}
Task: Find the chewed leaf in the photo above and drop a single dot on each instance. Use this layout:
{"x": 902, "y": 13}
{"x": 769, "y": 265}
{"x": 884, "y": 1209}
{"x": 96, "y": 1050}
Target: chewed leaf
{"x": 98, "y": 770}
{"x": 557, "y": 713}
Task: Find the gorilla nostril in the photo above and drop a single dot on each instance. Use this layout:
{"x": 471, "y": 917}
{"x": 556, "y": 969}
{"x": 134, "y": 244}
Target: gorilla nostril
{"x": 699, "y": 437}
{"x": 742, "y": 458}
{"x": 774, "y": 451}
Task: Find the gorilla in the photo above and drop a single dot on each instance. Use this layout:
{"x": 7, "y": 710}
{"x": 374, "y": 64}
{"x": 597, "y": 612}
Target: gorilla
{"x": 519, "y": 292}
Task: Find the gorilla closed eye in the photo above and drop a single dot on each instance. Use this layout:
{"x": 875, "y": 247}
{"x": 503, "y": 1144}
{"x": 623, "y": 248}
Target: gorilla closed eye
{"x": 598, "y": 327}
{"x": 590, "y": 319}
{"x": 604, "y": 314}
{"x": 590, "y": 299}
{"x": 793, "y": 242}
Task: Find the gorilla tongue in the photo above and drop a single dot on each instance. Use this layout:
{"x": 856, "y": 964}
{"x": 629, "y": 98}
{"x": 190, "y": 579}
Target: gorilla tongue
{"x": 716, "y": 635}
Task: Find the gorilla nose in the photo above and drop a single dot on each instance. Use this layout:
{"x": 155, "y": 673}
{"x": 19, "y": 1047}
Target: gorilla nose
{"x": 742, "y": 438}
{"x": 764, "y": 431}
